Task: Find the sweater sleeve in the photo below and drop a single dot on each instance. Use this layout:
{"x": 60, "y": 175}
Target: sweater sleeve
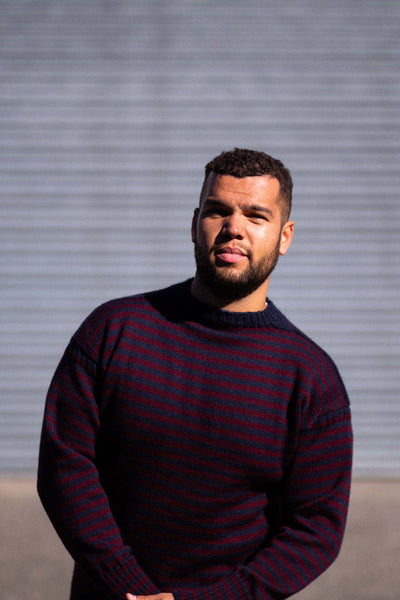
{"x": 69, "y": 485}
{"x": 315, "y": 498}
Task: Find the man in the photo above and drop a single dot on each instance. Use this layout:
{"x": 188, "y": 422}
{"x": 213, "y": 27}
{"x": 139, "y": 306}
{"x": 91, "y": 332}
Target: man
{"x": 196, "y": 445}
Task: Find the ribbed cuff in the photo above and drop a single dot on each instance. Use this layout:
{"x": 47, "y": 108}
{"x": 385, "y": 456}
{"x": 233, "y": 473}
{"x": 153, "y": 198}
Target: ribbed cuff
{"x": 127, "y": 577}
{"x": 229, "y": 588}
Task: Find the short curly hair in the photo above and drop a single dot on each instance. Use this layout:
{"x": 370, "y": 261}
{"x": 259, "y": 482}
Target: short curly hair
{"x": 241, "y": 162}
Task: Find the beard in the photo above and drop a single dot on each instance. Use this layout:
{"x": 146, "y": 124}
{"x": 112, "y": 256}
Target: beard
{"x": 226, "y": 283}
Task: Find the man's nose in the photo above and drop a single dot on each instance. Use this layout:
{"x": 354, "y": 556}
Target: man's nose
{"x": 233, "y": 225}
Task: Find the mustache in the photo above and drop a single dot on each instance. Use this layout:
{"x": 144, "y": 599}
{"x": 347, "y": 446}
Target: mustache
{"x": 243, "y": 248}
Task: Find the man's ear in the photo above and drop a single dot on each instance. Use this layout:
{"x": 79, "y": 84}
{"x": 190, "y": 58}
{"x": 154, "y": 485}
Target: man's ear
{"x": 194, "y": 224}
{"x": 286, "y": 237}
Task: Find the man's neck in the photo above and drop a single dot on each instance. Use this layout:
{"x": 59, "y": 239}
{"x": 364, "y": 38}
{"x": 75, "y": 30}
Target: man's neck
{"x": 254, "y": 302}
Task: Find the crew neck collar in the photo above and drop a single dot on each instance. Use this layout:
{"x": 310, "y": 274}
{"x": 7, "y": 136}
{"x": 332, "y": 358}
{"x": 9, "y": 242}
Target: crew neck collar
{"x": 183, "y": 306}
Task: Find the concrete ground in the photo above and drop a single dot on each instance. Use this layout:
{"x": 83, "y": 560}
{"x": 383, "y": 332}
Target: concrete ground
{"x": 35, "y": 566}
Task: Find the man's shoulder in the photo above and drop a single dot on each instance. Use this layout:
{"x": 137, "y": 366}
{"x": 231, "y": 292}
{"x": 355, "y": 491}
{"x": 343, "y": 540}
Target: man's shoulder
{"x": 117, "y": 308}
{"x": 125, "y": 308}
{"x": 119, "y": 318}
{"x": 318, "y": 370}
{"x": 296, "y": 340}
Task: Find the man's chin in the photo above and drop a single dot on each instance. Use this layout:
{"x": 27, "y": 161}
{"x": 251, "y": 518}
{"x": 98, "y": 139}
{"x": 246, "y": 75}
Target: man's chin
{"x": 229, "y": 287}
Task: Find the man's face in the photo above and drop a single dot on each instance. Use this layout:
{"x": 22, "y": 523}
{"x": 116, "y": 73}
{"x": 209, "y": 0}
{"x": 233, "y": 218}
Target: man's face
{"x": 238, "y": 234}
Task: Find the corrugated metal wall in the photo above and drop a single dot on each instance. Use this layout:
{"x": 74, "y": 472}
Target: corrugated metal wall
{"x": 108, "y": 112}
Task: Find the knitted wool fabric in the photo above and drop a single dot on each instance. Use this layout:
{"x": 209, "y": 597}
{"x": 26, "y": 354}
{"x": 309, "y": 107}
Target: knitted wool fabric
{"x": 196, "y": 451}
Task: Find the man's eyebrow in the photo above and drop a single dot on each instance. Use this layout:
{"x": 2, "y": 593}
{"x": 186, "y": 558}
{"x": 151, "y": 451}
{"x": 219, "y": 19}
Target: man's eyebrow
{"x": 258, "y": 208}
{"x": 210, "y": 201}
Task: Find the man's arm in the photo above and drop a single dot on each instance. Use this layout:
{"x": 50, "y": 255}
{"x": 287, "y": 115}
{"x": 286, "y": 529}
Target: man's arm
{"x": 314, "y": 500}
{"x": 69, "y": 484}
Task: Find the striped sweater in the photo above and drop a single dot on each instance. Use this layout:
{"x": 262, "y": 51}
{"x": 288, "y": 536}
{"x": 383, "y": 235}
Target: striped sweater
{"x": 196, "y": 451}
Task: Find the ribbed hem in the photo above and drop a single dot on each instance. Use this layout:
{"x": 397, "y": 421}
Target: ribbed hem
{"x": 229, "y": 588}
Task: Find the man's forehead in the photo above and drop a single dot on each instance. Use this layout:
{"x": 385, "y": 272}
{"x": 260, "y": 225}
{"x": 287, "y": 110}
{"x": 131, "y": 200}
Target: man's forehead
{"x": 218, "y": 185}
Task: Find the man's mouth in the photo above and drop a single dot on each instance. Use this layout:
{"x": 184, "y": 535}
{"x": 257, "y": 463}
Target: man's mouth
{"x": 230, "y": 254}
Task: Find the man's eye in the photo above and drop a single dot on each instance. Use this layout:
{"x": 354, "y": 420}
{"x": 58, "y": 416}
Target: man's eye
{"x": 215, "y": 212}
{"x": 257, "y": 217}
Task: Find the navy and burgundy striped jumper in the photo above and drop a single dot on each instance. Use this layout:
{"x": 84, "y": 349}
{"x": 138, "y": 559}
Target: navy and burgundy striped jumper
{"x": 197, "y": 451}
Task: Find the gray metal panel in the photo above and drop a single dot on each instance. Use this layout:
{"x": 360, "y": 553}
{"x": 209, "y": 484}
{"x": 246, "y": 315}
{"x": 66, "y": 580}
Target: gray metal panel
{"x": 108, "y": 112}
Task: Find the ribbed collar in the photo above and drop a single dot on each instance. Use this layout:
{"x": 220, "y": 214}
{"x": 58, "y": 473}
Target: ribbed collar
{"x": 180, "y": 305}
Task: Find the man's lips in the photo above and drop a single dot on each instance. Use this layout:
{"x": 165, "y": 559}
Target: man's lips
{"x": 230, "y": 255}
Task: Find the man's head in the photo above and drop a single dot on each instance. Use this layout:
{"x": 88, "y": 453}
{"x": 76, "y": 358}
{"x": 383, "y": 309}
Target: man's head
{"x": 240, "y": 228}
{"x": 242, "y": 162}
